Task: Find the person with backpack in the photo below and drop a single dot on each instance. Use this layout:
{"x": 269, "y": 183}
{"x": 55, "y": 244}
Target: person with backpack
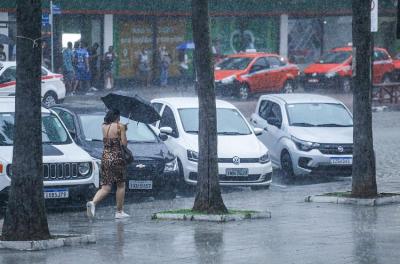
{"x": 82, "y": 68}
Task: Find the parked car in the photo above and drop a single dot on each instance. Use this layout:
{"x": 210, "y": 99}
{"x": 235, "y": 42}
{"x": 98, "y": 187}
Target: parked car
{"x": 334, "y": 69}
{"x": 154, "y": 170}
{"x": 53, "y": 88}
{"x": 242, "y": 159}
{"x": 245, "y": 73}
{"x": 396, "y": 62}
{"x": 306, "y": 133}
{"x": 70, "y": 174}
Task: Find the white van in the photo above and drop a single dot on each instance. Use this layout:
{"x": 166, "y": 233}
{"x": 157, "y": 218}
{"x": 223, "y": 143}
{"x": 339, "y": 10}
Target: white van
{"x": 69, "y": 173}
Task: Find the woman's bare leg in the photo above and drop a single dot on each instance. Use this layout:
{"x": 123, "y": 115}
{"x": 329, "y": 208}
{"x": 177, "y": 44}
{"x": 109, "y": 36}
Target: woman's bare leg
{"x": 101, "y": 194}
{"x": 120, "y": 196}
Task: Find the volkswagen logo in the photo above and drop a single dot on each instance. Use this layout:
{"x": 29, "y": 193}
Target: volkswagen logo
{"x": 340, "y": 149}
{"x": 236, "y": 160}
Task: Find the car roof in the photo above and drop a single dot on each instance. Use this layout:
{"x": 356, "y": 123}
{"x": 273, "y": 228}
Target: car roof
{"x": 190, "y": 102}
{"x": 251, "y": 55}
{"x": 7, "y": 105}
{"x": 298, "y": 98}
{"x": 350, "y": 48}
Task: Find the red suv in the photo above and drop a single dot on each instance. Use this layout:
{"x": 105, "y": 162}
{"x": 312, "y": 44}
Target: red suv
{"x": 245, "y": 73}
{"x": 333, "y": 70}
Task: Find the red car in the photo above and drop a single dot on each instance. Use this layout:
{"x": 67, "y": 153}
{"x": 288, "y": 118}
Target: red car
{"x": 245, "y": 73}
{"x": 334, "y": 69}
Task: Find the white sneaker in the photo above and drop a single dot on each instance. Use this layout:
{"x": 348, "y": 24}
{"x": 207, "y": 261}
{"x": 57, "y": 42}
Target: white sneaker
{"x": 90, "y": 209}
{"x": 94, "y": 89}
{"x": 120, "y": 215}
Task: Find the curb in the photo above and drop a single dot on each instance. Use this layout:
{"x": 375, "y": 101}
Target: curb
{"x": 211, "y": 218}
{"x": 62, "y": 241}
{"x": 395, "y": 199}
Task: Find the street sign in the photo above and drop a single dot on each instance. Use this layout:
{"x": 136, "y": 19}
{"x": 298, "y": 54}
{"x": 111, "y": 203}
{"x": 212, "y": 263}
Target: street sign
{"x": 56, "y": 9}
{"x": 45, "y": 19}
{"x": 374, "y": 16}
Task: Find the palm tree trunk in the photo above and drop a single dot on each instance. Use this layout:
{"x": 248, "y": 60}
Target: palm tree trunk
{"x": 364, "y": 172}
{"x": 26, "y": 216}
{"x": 208, "y": 196}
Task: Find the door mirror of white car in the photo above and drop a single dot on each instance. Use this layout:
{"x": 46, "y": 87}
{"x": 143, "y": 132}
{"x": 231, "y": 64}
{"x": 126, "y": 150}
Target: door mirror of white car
{"x": 166, "y": 130}
{"x": 258, "y": 131}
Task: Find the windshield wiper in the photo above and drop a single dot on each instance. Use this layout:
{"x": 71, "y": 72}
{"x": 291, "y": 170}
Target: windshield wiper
{"x": 232, "y": 133}
{"x": 333, "y": 125}
{"x": 303, "y": 124}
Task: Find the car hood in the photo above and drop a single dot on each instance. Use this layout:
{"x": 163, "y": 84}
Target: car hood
{"x": 54, "y": 153}
{"x": 141, "y": 151}
{"x": 245, "y": 146}
{"x": 221, "y": 74}
{"x": 340, "y": 135}
{"x": 323, "y": 68}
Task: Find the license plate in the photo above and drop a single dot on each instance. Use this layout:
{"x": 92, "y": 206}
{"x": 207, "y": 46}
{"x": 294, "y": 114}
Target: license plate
{"x": 140, "y": 185}
{"x": 341, "y": 161}
{"x": 56, "y": 193}
{"x": 237, "y": 172}
{"x": 313, "y": 80}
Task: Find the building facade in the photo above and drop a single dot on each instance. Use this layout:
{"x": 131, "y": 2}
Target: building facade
{"x": 298, "y": 29}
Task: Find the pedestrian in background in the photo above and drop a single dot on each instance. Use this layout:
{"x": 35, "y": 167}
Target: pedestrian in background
{"x": 144, "y": 67}
{"x": 82, "y": 73}
{"x": 165, "y": 61}
{"x": 68, "y": 68}
{"x": 113, "y": 165}
{"x": 93, "y": 60}
{"x": 108, "y": 63}
{"x": 3, "y": 56}
{"x": 183, "y": 67}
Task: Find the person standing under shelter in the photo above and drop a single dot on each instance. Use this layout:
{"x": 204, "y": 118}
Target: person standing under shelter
{"x": 68, "y": 68}
{"x": 3, "y": 56}
{"x": 108, "y": 63}
{"x": 93, "y": 59}
{"x": 165, "y": 61}
{"x": 144, "y": 67}
{"x": 82, "y": 73}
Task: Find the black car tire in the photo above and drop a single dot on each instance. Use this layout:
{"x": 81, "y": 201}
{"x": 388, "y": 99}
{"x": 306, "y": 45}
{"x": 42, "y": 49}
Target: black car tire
{"x": 50, "y": 99}
{"x": 345, "y": 85}
{"x": 287, "y": 166}
{"x": 243, "y": 92}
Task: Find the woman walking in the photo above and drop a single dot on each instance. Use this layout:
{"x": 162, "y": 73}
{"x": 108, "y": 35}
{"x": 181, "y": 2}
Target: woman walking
{"x": 113, "y": 165}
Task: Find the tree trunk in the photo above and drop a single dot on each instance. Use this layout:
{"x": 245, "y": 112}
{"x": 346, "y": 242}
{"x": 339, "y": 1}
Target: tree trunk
{"x": 26, "y": 216}
{"x": 208, "y": 196}
{"x": 364, "y": 173}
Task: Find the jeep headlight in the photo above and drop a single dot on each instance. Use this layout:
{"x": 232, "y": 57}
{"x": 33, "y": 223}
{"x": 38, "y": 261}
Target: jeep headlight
{"x": 331, "y": 74}
{"x": 264, "y": 158}
{"x": 229, "y": 79}
{"x": 305, "y": 145}
{"x": 171, "y": 166}
{"x": 84, "y": 168}
{"x": 192, "y": 155}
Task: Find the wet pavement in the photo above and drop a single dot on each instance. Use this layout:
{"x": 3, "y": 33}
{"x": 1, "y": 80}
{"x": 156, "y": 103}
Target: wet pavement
{"x": 298, "y": 232}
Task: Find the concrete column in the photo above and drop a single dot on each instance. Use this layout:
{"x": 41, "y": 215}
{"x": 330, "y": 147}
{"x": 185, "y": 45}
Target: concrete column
{"x": 108, "y": 31}
{"x": 4, "y": 30}
{"x": 284, "y": 32}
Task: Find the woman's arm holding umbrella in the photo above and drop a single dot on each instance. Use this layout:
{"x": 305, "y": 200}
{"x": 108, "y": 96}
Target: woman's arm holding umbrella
{"x": 124, "y": 140}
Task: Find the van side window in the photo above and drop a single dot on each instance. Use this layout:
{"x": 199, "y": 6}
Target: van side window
{"x": 168, "y": 120}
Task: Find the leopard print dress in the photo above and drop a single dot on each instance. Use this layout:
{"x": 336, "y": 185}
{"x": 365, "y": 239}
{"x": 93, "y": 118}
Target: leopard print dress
{"x": 113, "y": 165}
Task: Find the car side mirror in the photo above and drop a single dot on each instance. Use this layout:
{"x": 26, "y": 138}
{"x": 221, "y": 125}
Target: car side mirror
{"x": 258, "y": 131}
{"x": 166, "y": 130}
{"x": 72, "y": 133}
{"x": 163, "y": 136}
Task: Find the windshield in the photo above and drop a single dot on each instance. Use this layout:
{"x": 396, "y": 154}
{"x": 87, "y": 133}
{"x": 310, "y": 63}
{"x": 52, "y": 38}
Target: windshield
{"x": 229, "y": 121}
{"x": 137, "y": 132}
{"x": 53, "y": 132}
{"x": 319, "y": 114}
{"x": 334, "y": 57}
{"x": 234, "y": 64}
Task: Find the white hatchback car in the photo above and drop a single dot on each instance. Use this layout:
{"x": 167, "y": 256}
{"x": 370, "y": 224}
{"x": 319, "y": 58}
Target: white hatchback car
{"x": 70, "y": 174}
{"x": 306, "y": 133}
{"x": 53, "y": 87}
{"x": 242, "y": 159}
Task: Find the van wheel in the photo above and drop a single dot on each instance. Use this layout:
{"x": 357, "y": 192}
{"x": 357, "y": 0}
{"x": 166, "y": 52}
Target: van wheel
{"x": 49, "y": 99}
{"x": 287, "y": 166}
{"x": 346, "y": 85}
{"x": 288, "y": 87}
{"x": 244, "y": 92}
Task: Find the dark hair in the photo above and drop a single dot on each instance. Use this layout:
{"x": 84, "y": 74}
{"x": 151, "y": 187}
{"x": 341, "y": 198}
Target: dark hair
{"x": 111, "y": 116}
{"x": 69, "y": 44}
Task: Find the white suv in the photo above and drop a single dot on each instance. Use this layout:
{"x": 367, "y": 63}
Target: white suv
{"x": 53, "y": 87}
{"x": 306, "y": 133}
{"x": 242, "y": 159}
{"x": 69, "y": 173}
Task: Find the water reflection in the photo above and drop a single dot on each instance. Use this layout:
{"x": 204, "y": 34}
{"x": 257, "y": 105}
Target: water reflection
{"x": 364, "y": 235}
{"x": 209, "y": 244}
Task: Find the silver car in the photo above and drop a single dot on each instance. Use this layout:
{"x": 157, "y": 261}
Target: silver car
{"x": 306, "y": 133}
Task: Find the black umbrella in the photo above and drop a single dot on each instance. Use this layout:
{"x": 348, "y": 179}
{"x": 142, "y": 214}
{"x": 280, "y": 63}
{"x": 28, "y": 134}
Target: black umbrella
{"x": 5, "y": 40}
{"x": 135, "y": 108}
